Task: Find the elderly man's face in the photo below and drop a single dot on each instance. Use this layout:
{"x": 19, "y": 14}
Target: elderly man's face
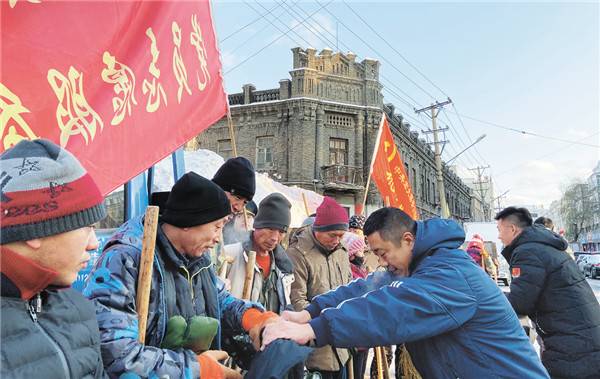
{"x": 237, "y": 202}
{"x": 195, "y": 240}
{"x": 266, "y": 239}
{"x": 330, "y": 240}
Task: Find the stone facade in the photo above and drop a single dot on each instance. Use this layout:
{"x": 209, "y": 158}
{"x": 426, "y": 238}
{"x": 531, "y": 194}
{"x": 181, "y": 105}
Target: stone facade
{"x": 318, "y": 129}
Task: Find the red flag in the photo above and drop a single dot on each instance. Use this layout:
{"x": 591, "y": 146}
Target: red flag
{"x": 387, "y": 171}
{"x": 121, "y": 84}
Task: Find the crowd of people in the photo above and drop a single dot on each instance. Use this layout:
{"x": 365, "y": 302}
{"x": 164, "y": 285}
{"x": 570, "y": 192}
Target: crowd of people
{"x": 340, "y": 285}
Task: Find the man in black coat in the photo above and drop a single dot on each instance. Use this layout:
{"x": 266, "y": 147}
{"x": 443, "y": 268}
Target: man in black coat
{"x": 548, "y": 287}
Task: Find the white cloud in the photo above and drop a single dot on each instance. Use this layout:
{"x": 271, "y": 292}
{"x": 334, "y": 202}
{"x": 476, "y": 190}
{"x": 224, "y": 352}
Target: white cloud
{"x": 543, "y": 181}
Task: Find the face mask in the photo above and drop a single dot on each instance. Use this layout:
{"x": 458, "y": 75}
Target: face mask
{"x": 358, "y": 260}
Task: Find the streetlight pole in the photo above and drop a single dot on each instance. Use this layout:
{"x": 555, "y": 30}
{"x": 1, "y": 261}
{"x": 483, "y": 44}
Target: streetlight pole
{"x": 466, "y": 148}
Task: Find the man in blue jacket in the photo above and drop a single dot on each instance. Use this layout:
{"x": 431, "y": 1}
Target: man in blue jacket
{"x": 454, "y": 320}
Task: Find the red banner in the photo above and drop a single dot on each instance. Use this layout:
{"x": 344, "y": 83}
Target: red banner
{"x": 121, "y": 84}
{"x": 387, "y": 171}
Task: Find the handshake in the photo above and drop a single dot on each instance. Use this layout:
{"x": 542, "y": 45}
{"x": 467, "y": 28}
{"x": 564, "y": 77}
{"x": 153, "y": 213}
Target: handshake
{"x": 290, "y": 325}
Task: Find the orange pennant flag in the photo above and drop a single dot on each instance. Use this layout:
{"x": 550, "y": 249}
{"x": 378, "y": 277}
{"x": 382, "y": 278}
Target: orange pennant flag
{"x": 387, "y": 171}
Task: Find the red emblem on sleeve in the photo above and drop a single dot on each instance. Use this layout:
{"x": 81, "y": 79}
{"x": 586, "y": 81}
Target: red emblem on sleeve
{"x": 516, "y": 272}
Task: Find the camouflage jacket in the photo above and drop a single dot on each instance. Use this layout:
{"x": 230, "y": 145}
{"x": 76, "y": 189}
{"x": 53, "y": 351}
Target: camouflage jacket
{"x": 179, "y": 287}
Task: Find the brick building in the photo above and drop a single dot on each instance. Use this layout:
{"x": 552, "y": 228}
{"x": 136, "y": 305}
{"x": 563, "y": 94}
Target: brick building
{"x": 317, "y": 131}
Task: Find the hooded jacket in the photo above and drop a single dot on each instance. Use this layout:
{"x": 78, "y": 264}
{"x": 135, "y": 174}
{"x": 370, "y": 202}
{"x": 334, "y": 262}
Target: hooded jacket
{"x": 548, "y": 287}
{"x": 454, "y": 320}
{"x": 179, "y": 287}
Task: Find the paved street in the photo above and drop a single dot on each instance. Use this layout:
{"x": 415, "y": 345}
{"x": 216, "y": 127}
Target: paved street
{"x": 595, "y": 284}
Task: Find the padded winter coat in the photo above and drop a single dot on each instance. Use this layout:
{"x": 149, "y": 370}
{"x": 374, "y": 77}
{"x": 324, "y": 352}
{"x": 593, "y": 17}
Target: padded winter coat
{"x": 454, "y": 320}
{"x": 548, "y": 287}
{"x": 317, "y": 271}
{"x": 179, "y": 287}
{"x": 57, "y": 340}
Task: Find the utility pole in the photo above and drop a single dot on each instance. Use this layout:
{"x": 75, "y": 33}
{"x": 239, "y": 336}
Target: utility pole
{"x": 499, "y": 207}
{"x": 434, "y": 108}
{"x": 480, "y": 170}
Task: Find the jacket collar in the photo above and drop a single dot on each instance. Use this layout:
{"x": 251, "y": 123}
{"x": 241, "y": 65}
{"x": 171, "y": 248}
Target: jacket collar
{"x": 22, "y": 277}
{"x": 282, "y": 261}
{"x": 172, "y": 255}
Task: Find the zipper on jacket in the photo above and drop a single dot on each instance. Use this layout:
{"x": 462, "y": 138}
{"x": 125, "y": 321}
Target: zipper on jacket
{"x": 189, "y": 279}
{"x": 33, "y": 311}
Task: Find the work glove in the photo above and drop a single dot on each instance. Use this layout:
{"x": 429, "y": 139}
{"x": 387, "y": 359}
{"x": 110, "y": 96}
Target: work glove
{"x": 210, "y": 368}
{"x": 195, "y": 334}
{"x": 256, "y": 331}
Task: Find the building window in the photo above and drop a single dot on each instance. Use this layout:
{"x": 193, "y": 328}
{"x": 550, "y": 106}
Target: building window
{"x": 336, "y": 119}
{"x": 264, "y": 153}
{"x": 413, "y": 180}
{"x": 338, "y": 151}
{"x": 224, "y": 148}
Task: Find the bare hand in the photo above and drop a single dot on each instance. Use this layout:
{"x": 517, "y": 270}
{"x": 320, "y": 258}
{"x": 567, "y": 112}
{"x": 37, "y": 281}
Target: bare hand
{"x": 257, "y": 330}
{"x": 302, "y": 317}
{"x": 300, "y": 333}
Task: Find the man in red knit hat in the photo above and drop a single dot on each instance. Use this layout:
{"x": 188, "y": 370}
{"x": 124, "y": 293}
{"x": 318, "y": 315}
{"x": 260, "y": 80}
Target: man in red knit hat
{"x": 321, "y": 264}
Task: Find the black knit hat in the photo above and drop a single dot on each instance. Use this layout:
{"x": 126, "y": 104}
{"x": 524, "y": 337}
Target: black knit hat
{"x": 195, "y": 200}
{"x": 273, "y": 212}
{"x": 236, "y": 176}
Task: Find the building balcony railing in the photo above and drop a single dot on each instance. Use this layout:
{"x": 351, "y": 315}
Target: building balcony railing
{"x": 342, "y": 175}
{"x": 266, "y": 95}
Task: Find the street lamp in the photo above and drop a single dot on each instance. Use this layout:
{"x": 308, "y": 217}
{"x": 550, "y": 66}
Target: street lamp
{"x": 466, "y": 148}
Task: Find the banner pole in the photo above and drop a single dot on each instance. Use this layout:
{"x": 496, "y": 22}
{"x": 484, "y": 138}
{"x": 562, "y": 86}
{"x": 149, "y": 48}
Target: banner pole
{"x": 375, "y": 148}
{"x": 231, "y": 131}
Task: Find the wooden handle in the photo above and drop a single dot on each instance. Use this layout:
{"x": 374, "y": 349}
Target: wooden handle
{"x": 305, "y": 204}
{"x": 246, "y": 223}
{"x": 247, "y": 293}
{"x": 226, "y": 261}
{"x": 145, "y": 272}
{"x": 379, "y": 361}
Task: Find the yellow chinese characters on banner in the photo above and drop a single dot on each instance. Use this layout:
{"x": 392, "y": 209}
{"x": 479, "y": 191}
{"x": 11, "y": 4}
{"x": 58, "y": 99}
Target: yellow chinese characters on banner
{"x": 178, "y": 67}
{"x": 73, "y": 114}
{"x": 12, "y": 3}
{"x": 198, "y": 43}
{"x": 123, "y": 79}
{"x": 12, "y": 125}
{"x": 154, "y": 88}
{"x": 388, "y": 173}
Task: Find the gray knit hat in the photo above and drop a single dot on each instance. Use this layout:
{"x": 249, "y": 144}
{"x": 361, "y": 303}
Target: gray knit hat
{"x": 45, "y": 191}
{"x": 273, "y": 212}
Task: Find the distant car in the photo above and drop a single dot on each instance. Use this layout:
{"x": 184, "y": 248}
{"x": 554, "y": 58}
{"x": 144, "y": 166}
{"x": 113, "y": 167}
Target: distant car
{"x": 582, "y": 260}
{"x": 592, "y": 266}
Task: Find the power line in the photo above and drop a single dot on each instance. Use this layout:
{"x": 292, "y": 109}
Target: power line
{"x": 272, "y": 24}
{"x": 251, "y": 37}
{"x": 275, "y": 40}
{"x": 250, "y": 23}
{"x": 396, "y": 51}
{"x": 379, "y": 54}
{"x": 524, "y": 132}
{"x": 553, "y": 151}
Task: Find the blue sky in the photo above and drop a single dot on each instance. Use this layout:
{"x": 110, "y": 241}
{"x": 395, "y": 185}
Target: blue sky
{"x": 529, "y": 66}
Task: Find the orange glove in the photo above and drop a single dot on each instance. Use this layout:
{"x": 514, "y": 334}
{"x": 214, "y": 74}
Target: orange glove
{"x": 254, "y": 321}
{"x": 210, "y": 368}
